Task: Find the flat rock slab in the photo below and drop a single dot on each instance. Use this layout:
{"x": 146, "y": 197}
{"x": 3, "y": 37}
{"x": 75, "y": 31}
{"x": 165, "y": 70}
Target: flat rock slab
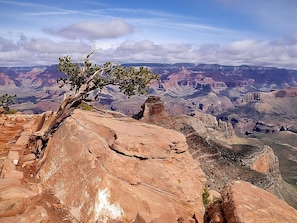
{"x": 106, "y": 168}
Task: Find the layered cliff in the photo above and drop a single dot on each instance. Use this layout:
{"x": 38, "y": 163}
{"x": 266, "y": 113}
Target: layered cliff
{"x": 216, "y": 147}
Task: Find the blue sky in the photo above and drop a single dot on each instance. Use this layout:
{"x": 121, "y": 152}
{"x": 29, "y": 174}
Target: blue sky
{"x": 227, "y": 32}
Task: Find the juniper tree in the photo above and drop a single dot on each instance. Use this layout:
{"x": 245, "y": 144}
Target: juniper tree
{"x": 5, "y": 101}
{"x": 85, "y": 78}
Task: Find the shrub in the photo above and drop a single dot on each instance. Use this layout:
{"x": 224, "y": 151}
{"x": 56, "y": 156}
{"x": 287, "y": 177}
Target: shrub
{"x": 205, "y": 197}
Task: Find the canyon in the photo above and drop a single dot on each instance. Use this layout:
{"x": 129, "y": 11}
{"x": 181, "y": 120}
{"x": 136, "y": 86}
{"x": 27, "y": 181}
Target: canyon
{"x": 94, "y": 170}
{"x": 222, "y": 154}
{"x": 224, "y": 128}
{"x": 259, "y": 102}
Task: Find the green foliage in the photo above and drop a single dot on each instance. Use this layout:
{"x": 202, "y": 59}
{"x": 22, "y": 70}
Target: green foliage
{"x": 88, "y": 77}
{"x": 205, "y": 197}
{"x": 85, "y": 106}
{"x": 5, "y": 101}
{"x": 12, "y": 111}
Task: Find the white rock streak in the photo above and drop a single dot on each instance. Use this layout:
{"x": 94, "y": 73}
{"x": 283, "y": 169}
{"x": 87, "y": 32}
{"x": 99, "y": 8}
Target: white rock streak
{"x": 104, "y": 210}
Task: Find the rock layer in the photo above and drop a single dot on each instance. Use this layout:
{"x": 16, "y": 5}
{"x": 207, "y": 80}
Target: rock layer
{"x": 214, "y": 145}
{"x": 105, "y": 168}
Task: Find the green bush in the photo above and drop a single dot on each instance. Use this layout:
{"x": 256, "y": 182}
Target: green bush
{"x": 85, "y": 106}
{"x": 5, "y": 101}
{"x": 205, "y": 197}
{"x": 12, "y": 111}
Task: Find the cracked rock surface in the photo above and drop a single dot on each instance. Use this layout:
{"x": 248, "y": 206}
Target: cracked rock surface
{"x": 103, "y": 167}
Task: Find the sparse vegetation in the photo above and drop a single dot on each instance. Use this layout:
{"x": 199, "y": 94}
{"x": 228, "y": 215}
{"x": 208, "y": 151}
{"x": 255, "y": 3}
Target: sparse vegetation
{"x": 5, "y": 101}
{"x": 85, "y": 106}
{"x": 205, "y": 197}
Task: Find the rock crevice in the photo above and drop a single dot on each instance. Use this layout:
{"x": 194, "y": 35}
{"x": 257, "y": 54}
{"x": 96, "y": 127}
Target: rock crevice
{"x": 144, "y": 165}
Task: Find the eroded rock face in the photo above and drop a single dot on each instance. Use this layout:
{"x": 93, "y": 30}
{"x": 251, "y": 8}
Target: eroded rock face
{"x": 106, "y": 168}
{"x": 153, "y": 106}
{"x": 244, "y": 202}
{"x": 157, "y": 105}
{"x": 265, "y": 162}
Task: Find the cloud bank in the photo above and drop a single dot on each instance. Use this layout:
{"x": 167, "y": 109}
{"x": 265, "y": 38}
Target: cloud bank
{"x": 44, "y": 51}
{"x": 93, "y": 30}
{"x": 230, "y": 33}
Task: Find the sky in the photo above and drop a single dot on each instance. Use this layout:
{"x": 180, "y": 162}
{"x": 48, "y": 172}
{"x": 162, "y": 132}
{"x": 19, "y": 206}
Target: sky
{"x": 225, "y": 32}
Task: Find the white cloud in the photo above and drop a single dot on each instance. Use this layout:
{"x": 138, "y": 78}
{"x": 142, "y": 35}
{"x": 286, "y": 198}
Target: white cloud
{"x": 94, "y": 30}
{"x": 7, "y": 45}
{"x": 17, "y": 3}
{"x": 35, "y": 51}
{"x": 132, "y": 46}
{"x": 240, "y": 47}
{"x": 248, "y": 52}
{"x": 45, "y": 45}
{"x": 39, "y": 51}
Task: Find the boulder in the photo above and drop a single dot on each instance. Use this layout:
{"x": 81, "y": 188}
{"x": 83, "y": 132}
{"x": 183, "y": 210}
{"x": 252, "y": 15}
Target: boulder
{"x": 244, "y": 202}
{"x": 215, "y": 213}
{"x": 105, "y": 168}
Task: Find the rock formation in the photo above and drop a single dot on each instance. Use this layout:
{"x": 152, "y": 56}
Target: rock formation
{"x": 106, "y": 168}
{"x": 215, "y": 213}
{"x": 244, "y": 202}
{"x": 153, "y": 106}
{"x": 215, "y": 146}
{"x": 264, "y": 112}
{"x": 263, "y": 162}
{"x": 18, "y": 200}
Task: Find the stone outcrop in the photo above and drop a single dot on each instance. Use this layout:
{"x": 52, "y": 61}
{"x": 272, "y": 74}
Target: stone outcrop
{"x": 154, "y": 112}
{"x": 22, "y": 197}
{"x": 108, "y": 167}
{"x": 214, "y": 145}
{"x": 286, "y": 92}
{"x": 153, "y": 105}
{"x": 244, "y": 202}
{"x": 215, "y": 213}
{"x": 104, "y": 168}
{"x": 17, "y": 202}
{"x": 264, "y": 162}
{"x": 260, "y": 159}
{"x": 200, "y": 120}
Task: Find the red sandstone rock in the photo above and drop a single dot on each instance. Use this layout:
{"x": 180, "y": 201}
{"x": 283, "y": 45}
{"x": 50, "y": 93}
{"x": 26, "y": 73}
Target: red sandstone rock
{"x": 13, "y": 155}
{"x": 37, "y": 215}
{"x": 265, "y": 162}
{"x": 28, "y": 157}
{"x": 244, "y": 202}
{"x": 105, "y": 168}
{"x": 215, "y": 213}
{"x": 14, "y": 174}
{"x": 153, "y": 106}
{"x": 214, "y": 196}
{"x": 17, "y": 202}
